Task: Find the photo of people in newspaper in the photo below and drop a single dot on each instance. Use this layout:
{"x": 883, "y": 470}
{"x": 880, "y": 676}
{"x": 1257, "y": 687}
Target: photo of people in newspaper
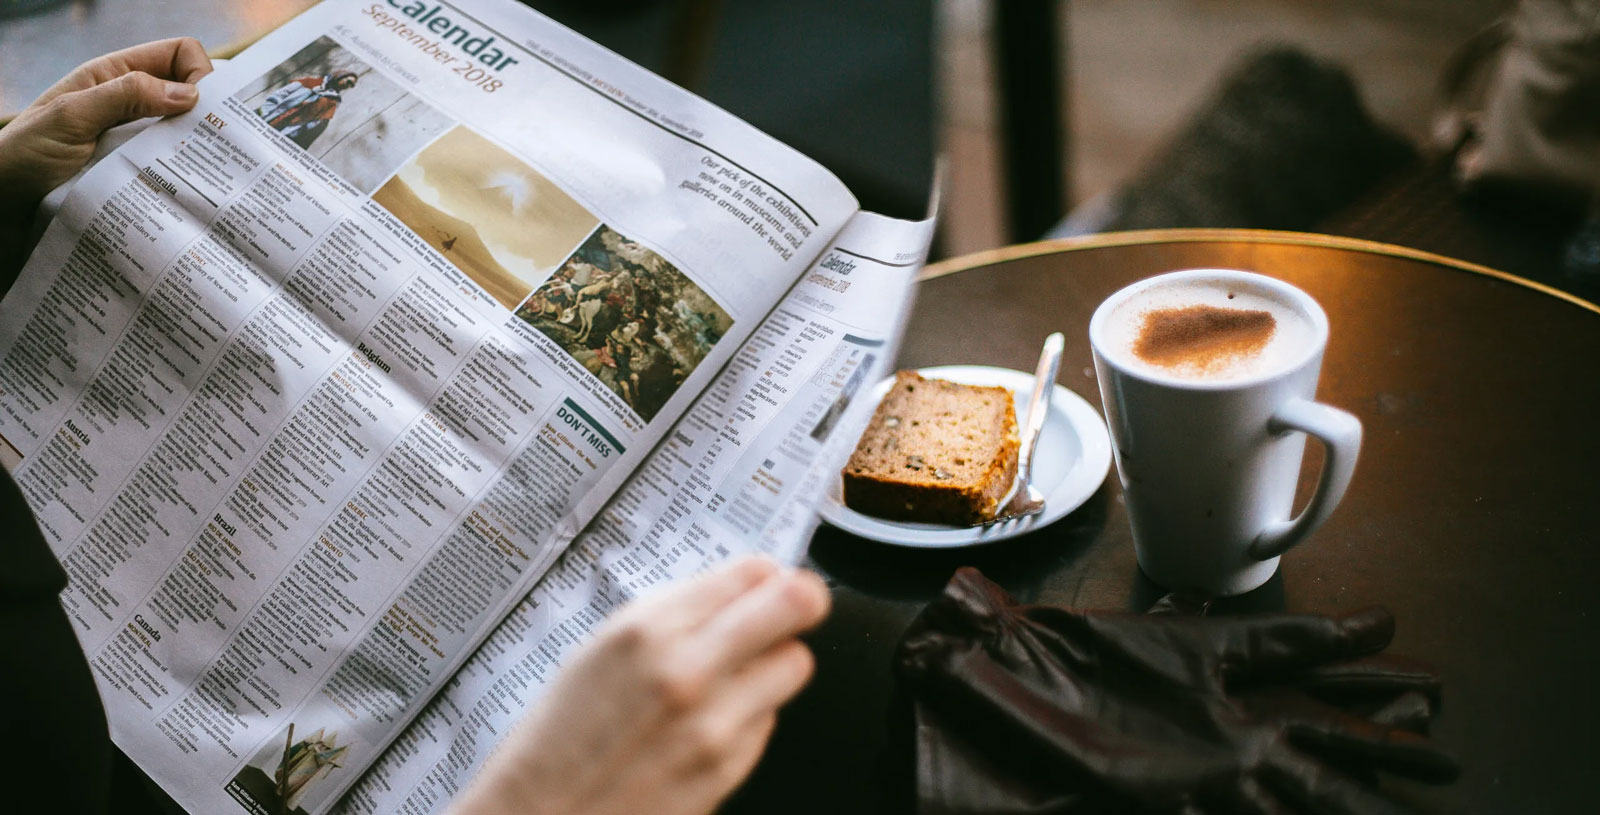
{"x": 343, "y": 111}
{"x": 287, "y": 770}
{"x": 499, "y": 221}
{"x": 630, "y": 317}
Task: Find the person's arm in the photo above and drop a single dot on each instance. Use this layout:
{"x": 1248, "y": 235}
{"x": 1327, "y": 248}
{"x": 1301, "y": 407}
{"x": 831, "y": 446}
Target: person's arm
{"x": 668, "y": 708}
{"x": 55, "y": 136}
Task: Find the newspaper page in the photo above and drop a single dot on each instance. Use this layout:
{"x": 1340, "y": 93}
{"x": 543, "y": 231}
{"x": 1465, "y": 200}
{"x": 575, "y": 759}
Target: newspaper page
{"x": 307, "y": 387}
{"x": 741, "y": 473}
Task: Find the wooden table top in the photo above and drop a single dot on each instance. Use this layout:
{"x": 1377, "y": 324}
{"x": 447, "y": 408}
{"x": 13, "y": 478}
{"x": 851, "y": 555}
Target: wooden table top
{"x": 1472, "y": 516}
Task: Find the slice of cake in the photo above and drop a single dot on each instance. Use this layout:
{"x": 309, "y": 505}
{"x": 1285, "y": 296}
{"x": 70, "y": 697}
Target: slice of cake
{"x": 935, "y": 451}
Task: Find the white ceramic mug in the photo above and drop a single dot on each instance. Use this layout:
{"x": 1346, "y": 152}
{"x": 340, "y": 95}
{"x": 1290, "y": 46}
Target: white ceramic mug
{"x": 1209, "y": 467}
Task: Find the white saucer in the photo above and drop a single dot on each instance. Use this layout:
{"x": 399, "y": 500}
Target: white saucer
{"x": 1072, "y": 459}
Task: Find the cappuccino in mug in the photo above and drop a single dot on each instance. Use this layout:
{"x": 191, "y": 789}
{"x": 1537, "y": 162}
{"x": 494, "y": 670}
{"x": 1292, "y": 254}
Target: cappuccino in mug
{"x": 1208, "y": 378}
{"x": 1217, "y": 329}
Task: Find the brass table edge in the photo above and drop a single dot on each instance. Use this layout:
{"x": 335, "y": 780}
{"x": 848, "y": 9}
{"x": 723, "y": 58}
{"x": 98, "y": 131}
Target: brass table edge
{"x": 1020, "y": 251}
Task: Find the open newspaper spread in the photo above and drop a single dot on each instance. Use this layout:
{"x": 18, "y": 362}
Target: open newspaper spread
{"x": 353, "y": 399}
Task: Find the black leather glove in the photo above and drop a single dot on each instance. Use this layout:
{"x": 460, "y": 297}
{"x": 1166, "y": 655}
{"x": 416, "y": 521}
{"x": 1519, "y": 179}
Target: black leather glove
{"x": 1029, "y": 709}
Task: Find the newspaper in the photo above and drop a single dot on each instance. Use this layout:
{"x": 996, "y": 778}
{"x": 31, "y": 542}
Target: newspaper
{"x": 353, "y": 399}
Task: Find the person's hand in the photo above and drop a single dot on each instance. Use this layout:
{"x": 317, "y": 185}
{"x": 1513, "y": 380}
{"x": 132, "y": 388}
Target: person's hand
{"x": 668, "y": 708}
{"x": 55, "y": 136}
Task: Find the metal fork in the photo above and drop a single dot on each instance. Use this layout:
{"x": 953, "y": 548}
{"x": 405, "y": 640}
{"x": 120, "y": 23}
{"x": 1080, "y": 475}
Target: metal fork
{"x": 1024, "y": 499}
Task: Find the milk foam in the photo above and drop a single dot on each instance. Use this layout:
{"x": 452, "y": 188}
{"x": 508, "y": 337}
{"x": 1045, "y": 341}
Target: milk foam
{"x": 1287, "y": 345}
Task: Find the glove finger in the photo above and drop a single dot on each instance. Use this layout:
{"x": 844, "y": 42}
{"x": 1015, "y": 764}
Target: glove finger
{"x": 1310, "y": 785}
{"x": 1180, "y": 605}
{"x": 1345, "y": 739}
{"x": 1377, "y": 676}
{"x": 1250, "y": 797}
{"x": 1270, "y": 646}
{"x": 1408, "y": 711}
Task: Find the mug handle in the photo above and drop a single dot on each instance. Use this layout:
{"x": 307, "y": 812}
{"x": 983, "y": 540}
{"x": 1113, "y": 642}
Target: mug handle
{"x": 1340, "y": 434}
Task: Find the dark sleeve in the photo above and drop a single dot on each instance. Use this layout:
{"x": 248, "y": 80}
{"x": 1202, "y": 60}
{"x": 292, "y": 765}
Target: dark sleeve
{"x": 61, "y": 751}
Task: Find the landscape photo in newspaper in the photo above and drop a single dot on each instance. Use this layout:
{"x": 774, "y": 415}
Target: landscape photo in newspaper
{"x": 501, "y": 222}
{"x": 340, "y": 110}
{"x": 628, "y": 316}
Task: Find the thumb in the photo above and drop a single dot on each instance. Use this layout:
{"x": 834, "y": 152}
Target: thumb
{"x": 83, "y": 115}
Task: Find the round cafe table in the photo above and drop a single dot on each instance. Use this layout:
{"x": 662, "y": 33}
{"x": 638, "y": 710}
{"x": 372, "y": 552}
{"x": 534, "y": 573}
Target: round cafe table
{"x": 1472, "y": 516}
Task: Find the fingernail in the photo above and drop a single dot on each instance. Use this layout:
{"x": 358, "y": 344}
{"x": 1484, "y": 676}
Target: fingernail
{"x": 181, "y": 92}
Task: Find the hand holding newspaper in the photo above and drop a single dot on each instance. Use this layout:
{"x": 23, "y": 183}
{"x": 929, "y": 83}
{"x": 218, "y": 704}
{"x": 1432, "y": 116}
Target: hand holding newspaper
{"x": 352, "y": 400}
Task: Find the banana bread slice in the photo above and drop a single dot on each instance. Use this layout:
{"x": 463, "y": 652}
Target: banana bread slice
{"x": 935, "y": 451}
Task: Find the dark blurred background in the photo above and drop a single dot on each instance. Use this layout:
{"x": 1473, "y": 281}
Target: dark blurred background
{"x": 1287, "y": 114}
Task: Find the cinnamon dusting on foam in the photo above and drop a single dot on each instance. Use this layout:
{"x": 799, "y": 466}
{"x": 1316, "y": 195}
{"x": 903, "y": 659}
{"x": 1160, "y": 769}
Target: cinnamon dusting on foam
{"x": 1202, "y": 339}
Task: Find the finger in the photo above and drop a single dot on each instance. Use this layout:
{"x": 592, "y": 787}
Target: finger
{"x": 750, "y": 744}
{"x": 180, "y": 59}
{"x": 785, "y": 605}
{"x": 1408, "y": 711}
{"x": 1180, "y": 605}
{"x": 1355, "y": 744}
{"x": 81, "y": 116}
{"x": 767, "y": 682}
{"x": 1310, "y": 785}
{"x": 743, "y": 755}
{"x": 1249, "y": 797}
{"x": 710, "y": 763}
{"x": 689, "y": 603}
{"x": 1270, "y": 646}
{"x": 1347, "y": 739}
{"x": 1371, "y": 677}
